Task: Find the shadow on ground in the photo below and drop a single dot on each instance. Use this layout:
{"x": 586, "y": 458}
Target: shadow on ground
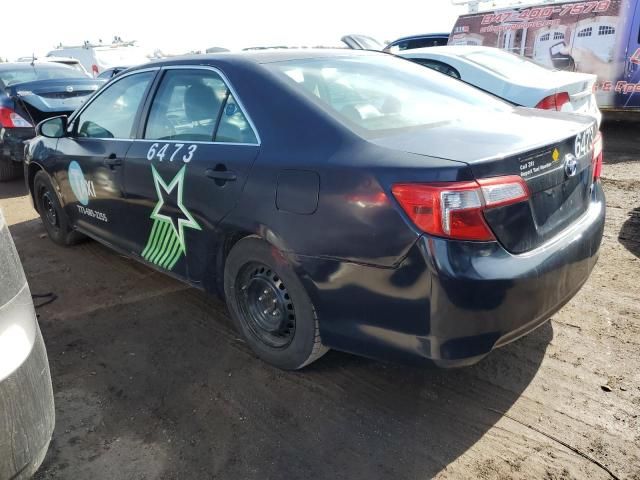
{"x": 157, "y": 384}
{"x": 630, "y": 232}
{"x": 12, "y": 189}
{"x": 620, "y": 144}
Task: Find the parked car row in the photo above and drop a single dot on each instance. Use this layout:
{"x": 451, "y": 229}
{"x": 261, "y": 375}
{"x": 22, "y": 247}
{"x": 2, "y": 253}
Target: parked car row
{"x": 356, "y": 201}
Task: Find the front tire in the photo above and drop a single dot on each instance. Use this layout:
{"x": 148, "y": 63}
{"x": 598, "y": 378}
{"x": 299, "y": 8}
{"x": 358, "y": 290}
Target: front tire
{"x": 53, "y": 217}
{"x": 270, "y": 306}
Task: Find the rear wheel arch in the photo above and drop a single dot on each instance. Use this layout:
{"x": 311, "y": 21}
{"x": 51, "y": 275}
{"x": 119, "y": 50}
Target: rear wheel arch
{"x": 229, "y": 240}
{"x": 251, "y": 252}
{"x": 223, "y": 248}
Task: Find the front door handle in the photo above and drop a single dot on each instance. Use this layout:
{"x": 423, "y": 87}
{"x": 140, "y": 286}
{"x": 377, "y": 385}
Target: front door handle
{"x": 221, "y": 175}
{"x": 112, "y": 161}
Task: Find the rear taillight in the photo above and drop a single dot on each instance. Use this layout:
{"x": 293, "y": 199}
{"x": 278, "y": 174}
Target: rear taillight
{"x": 94, "y": 69}
{"x": 597, "y": 156}
{"x": 554, "y": 102}
{"x": 10, "y": 119}
{"x": 455, "y": 210}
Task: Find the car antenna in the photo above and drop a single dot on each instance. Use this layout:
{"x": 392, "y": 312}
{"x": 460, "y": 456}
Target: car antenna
{"x": 33, "y": 59}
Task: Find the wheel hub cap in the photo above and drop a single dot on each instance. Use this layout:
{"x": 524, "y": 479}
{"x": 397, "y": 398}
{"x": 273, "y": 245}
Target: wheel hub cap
{"x": 266, "y": 305}
{"x": 49, "y": 209}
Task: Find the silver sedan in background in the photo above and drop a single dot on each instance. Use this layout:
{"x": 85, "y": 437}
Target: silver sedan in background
{"x": 513, "y": 78}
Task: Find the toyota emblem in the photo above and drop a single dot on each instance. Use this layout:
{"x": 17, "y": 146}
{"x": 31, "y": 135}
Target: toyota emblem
{"x": 69, "y": 89}
{"x": 570, "y": 165}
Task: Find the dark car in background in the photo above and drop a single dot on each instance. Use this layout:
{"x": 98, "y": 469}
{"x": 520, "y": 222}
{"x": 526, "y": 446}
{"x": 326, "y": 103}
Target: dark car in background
{"x": 26, "y": 395}
{"x": 355, "y": 201}
{"x": 30, "y": 93}
{"x": 418, "y": 41}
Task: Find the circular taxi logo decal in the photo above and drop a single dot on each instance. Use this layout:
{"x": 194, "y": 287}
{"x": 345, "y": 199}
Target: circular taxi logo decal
{"x": 78, "y": 183}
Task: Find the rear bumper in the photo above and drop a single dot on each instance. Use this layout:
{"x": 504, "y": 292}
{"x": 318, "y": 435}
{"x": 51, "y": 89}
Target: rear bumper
{"x": 451, "y": 302}
{"x": 26, "y": 415}
{"x": 12, "y": 142}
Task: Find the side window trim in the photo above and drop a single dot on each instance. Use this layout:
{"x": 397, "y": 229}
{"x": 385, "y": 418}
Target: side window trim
{"x": 424, "y": 62}
{"x": 231, "y": 92}
{"x": 141, "y": 126}
{"x": 220, "y": 113}
{"x": 78, "y": 113}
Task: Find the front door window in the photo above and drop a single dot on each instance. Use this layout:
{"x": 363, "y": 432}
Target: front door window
{"x": 113, "y": 113}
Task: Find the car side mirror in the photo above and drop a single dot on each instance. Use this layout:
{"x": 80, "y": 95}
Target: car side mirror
{"x": 55, "y": 127}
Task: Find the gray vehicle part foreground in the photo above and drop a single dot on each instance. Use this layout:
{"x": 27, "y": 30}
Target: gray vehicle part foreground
{"x": 26, "y": 397}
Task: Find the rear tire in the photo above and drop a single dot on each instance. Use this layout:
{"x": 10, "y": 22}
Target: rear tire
{"x": 53, "y": 217}
{"x": 270, "y": 306}
{"x": 9, "y": 170}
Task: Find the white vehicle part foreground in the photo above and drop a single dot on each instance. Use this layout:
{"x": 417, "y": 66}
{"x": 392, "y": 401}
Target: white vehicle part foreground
{"x": 26, "y": 396}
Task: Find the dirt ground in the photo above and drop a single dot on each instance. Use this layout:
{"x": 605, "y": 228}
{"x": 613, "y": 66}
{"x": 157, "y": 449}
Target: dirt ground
{"x": 151, "y": 381}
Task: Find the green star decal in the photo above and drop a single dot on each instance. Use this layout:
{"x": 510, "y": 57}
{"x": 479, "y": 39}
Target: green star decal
{"x": 166, "y": 242}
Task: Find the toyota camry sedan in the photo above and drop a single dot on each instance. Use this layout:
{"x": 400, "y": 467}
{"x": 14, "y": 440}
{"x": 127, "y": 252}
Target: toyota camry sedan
{"x": 335, "y": 199}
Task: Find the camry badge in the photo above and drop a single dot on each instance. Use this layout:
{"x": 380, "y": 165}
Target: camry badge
{"x": 570, "y": 165}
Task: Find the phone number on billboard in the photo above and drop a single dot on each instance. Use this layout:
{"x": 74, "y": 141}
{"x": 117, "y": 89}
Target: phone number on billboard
{"x": 545, "y": 12}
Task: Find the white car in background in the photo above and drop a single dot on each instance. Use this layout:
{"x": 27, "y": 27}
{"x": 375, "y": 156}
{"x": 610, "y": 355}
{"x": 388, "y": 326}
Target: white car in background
{"x": 513, "y": 78}
{"x": 68, "y": 61}
{"x": 97, "y": 58}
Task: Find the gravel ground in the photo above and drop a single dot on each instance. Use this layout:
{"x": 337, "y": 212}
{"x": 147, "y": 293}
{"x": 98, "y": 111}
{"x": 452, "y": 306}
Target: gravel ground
{"x": 151, "y": 381}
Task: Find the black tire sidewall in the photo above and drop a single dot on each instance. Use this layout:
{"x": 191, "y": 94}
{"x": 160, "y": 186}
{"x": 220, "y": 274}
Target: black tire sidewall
{"x": 42, "y": 184}
{"x": 296, "y": 354}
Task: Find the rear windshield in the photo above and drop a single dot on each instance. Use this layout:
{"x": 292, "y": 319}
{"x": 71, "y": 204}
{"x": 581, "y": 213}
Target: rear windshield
{"x": 28, "y": 73}
{"x": 505, "y": 64}
{"x": 382, "y": 92}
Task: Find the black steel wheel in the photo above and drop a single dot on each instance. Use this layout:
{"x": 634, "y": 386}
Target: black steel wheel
{"x": 266, "y": 305}
{"x": 54, "y": 219}
{"x": 48, "y": 208}
{"x": 270, "y": 306}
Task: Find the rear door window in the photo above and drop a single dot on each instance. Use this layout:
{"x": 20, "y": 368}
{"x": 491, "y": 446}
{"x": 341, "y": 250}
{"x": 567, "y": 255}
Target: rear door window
{"x": 196, "y": 105}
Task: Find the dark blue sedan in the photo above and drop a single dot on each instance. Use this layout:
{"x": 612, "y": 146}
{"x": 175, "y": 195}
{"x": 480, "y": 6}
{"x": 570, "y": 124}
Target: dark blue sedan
{"x": 348, "y": 200}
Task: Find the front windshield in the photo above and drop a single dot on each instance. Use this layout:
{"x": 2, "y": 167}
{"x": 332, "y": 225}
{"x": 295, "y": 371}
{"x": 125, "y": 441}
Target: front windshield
{"x": 505, "y": 64}
{"x": 382, "y": 92}
{"x": 120, "y": 56}
{"x": 29, "y": 73}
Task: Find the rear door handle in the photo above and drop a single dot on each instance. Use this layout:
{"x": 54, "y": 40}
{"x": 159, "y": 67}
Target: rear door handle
{"x": 221, "y": 175}
{"x": 112, "y": 161}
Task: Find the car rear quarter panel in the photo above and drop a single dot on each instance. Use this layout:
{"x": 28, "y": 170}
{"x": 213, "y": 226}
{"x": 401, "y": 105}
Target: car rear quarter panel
{"x": 356, "y": 218}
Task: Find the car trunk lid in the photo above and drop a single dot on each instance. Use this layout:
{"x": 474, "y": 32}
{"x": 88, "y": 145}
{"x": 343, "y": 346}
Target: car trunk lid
{"x": 559, "y": 183}
{"x": 47, "y": 98}
{"x": 551, "y": 152}
{"x": 580, "y": 88}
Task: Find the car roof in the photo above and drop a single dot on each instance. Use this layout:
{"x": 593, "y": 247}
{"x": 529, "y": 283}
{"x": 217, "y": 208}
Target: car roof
{"x": 258, "y": 56}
